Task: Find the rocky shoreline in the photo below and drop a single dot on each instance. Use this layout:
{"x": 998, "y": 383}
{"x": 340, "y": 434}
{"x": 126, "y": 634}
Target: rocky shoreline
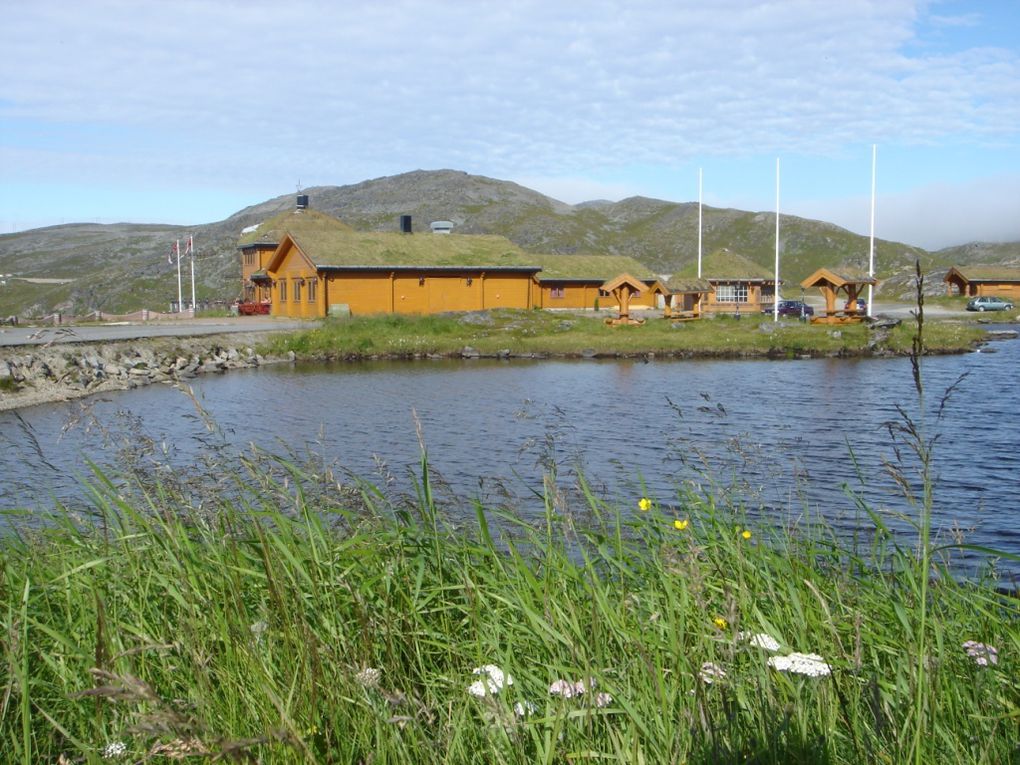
{"x": 31, "y": 375}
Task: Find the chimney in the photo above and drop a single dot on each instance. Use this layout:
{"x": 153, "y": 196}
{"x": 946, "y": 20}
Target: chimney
{"x": 405, "y": 224}
{"x": 302, "y": 202}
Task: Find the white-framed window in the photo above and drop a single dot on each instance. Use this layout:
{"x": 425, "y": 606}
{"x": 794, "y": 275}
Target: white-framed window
{"x": 311, "y": 289}
{"x": 283, "y": 290}
{"x": 731, "y": 293}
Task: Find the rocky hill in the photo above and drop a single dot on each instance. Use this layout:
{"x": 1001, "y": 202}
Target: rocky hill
{"x": 123, "y": 267}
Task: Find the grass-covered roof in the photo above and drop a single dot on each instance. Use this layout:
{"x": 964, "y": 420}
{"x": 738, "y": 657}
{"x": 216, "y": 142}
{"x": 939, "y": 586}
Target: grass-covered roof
{"x": 988, "y": 273}
{"x": 328, "y": 242}
{"x": 307, "y": 224}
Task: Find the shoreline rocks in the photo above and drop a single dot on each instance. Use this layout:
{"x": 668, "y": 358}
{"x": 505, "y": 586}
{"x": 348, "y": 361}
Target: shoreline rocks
{"x": 31, "y": 375}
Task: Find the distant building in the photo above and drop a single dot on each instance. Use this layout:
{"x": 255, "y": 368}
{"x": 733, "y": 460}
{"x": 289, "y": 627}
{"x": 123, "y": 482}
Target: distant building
{"x": 975, "y": 281}
{"x": 441, "y": 226}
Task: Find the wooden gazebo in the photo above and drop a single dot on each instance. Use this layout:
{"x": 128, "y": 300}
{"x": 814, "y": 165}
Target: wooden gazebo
{"x": 623, "y": 288}
{"x": 846, "y": 283}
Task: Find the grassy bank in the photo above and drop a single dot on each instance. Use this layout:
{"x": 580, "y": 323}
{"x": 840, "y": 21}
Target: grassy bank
{"x": 545, "y": 332}
{"x": 302, "y": 621}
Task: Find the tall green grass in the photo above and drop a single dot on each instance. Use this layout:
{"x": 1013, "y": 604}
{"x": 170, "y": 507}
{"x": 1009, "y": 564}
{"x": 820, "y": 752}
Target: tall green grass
{"x": 243, "y": 630}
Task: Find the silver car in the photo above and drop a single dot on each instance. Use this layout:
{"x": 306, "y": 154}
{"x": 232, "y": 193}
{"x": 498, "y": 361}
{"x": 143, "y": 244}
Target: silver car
{"x": 989, "y": 303}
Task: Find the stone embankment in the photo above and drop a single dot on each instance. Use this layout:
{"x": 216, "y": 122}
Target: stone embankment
{"x": 40, "y": 374}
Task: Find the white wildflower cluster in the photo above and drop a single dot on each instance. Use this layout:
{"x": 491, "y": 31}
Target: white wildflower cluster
{"x": 710, "y": 672}
{"x": 810, "y": 664}
{"x": 759, "y": 640}
{"x": 369, "y": 677}
{"x": 982, "y": 654}
{"x": 114, "y": 750}
{"x": 493, "y": 680}
{"x": 525, "y": 708}
{"x": 568, "y": 690}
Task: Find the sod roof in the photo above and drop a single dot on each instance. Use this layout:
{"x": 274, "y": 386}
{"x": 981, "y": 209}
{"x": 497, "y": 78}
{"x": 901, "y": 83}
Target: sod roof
{"x": 987, "y": 273}
{"x": 328, "y": 242}
{"x": 311, "y": 224}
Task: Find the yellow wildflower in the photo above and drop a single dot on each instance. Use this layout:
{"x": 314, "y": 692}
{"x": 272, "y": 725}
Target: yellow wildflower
{"x": 680, "y": 525}
{"x": 719, "y": 622}
{"x": 745, "y": 534}
{"x": 644, "y": 504}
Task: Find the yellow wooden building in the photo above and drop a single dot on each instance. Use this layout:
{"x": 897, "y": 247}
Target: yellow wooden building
{"x": 975, "y": 281}
{"x": 319, "y": 267}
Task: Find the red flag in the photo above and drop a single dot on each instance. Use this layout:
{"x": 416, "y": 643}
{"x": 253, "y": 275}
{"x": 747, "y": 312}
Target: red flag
{"x": 189, "y": 249}
{"x": 173, "y": 251}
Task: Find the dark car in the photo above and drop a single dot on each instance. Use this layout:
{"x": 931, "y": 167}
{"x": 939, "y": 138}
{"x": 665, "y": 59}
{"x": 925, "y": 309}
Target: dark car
{"x": 792, "y": 308}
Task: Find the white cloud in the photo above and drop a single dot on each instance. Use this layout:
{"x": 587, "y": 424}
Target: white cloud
{"x": 561, "y": 91}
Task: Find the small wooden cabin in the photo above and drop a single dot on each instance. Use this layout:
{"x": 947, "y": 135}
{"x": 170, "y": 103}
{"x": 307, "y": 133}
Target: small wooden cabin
{"x": 975, "y": 281}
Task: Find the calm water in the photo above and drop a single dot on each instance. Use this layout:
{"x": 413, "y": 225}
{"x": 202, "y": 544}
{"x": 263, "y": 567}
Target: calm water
{"x": 778, "y": 434}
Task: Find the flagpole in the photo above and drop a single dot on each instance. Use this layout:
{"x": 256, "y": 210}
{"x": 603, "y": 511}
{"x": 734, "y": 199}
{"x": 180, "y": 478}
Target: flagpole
{"x": 180, "y": 294}
{"x": 699, "y": 222}
{"x": 775, "y": 289}
{"x": 191, "y": 249}
{"x": 871, "y": 248}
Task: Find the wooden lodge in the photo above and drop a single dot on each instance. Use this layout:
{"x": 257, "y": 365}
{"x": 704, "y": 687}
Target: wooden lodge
{"x": 318, "y": 266}
{"x": 840, "y": 291}
{"x": 979, "y": 281}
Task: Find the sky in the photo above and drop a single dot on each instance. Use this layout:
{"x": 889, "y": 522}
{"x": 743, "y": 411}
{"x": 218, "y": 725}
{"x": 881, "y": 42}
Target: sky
{"x": 186, "y": 111}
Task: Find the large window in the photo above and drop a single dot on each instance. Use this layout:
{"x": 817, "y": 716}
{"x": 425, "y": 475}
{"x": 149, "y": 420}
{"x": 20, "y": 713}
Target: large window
{"x": 557, "y": 292}
{"x": 297, "y": 290}
{"x": 283, "y": 290}
{"x": 731, "y": 293}
{"x": 311, "y": 289}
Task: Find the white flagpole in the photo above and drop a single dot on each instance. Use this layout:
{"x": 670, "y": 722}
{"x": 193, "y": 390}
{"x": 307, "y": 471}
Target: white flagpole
{"x": 871, "y": 248}
{"x": 699, "y": 222}
{"x": 775, "y": 290}
{"x": 180, "y": 294}
{"x": 191, "y": 250}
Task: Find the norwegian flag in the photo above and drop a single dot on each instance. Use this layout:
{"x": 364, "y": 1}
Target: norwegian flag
{"x": 189, "y": 248}
{"x": 173, "y": 251}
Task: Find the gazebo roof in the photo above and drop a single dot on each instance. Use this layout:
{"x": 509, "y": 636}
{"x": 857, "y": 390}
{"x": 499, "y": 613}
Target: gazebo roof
{"x": 625, "y": 280}
{"x": 845, "y": 276}
{"x": 688, "y": 286}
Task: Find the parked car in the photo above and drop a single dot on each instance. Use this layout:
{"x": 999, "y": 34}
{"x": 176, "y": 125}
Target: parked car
{"x": 792, "y": 308}
{"x": 989, "y": 303}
